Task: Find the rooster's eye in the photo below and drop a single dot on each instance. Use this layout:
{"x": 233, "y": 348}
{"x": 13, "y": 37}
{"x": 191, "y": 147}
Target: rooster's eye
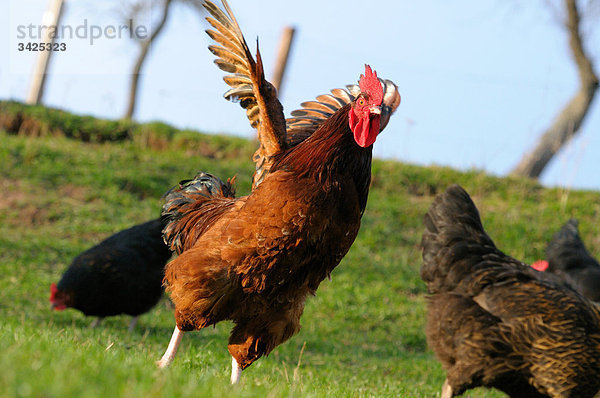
{"x": 361, "y": 101}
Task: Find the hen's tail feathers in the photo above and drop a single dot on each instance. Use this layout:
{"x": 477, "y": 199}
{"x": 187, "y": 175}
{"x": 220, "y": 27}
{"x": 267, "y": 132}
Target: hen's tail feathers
{"x": 454, "y": 240}
{"x": 192, "y": 206}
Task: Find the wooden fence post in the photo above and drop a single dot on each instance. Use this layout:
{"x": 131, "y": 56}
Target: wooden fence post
{"x": 38, "y": 79}
{"x": 285, "y": 44}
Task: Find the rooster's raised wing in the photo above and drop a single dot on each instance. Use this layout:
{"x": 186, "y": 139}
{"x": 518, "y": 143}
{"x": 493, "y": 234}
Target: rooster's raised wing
{"x": 248, "y": 86}
{"x": 259, "y": 97}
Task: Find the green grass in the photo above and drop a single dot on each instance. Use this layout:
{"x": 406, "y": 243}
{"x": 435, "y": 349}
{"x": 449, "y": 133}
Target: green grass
{"x": 362, "y": 334}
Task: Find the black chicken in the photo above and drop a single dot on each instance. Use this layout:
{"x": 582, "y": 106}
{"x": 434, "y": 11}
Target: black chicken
{"x": 121, "y": 275}
{"x": 495, "y": 322}
{"x": 568, "y": 258}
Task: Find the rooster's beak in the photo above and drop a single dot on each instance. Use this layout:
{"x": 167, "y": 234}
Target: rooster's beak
{"x": 375, "y": 109}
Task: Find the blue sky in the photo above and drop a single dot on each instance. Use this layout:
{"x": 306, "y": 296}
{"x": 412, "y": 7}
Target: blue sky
{"x": 480, "y": 79}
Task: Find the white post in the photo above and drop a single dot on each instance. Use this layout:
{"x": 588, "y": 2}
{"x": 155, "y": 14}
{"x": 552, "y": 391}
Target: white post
{"x": 38, "y": 79}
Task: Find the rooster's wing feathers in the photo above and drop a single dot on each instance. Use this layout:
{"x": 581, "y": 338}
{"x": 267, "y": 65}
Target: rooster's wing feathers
{"x": 259, "y": 97}
{"x": 307, "y": 120}
{"x": 248, "y": 85}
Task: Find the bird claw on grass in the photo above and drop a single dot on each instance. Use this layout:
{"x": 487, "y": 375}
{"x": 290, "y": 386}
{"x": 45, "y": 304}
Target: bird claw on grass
{"x": 162, "y": 363}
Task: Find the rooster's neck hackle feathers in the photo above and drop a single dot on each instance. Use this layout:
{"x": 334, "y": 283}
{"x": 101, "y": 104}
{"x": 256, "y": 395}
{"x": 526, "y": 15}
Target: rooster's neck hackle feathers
{"x": 306, "y": 120}
{"x": 329, "y": 153}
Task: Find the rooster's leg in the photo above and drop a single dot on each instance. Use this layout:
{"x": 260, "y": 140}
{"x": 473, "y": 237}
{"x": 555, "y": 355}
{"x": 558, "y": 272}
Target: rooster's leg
{"x": 96, "y": 322}
{"x": 132, "y": 324}
{"x": 236, "y": 371}
{"x": 167, "y": 358}
{"x": 446, "y": 390}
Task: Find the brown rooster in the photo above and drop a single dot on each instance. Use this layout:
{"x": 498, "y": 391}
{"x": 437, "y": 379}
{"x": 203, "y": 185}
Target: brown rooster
{"x": 255, "y": 259}
{"x": 493, "y": 321}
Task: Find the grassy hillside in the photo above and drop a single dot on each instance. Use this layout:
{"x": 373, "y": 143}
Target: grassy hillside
{"x": 362, "y": 334}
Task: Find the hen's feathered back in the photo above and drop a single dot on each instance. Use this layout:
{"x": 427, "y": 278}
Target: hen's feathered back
{"x": 493, "y": 321}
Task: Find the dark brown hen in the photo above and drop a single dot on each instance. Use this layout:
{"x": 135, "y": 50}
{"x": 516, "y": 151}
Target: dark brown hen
{"x": 495, "y": 322}
{"x": 255, "y": 259}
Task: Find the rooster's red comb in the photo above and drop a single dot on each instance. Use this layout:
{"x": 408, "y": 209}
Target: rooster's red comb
{"x": 369, "y": 83}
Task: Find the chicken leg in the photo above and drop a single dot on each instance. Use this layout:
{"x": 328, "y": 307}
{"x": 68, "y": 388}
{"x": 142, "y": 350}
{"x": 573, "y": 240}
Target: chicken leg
{"x": 236, "y": 371}
{"x": 446, "y": 390}
{"x": 169, "y": 354}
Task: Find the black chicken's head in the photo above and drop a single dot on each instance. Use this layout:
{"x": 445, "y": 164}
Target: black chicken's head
{"x": 60, "y": 300}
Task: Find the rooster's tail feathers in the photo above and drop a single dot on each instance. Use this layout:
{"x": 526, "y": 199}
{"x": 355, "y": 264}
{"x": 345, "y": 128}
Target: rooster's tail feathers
{"x": 191, "y": 207}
